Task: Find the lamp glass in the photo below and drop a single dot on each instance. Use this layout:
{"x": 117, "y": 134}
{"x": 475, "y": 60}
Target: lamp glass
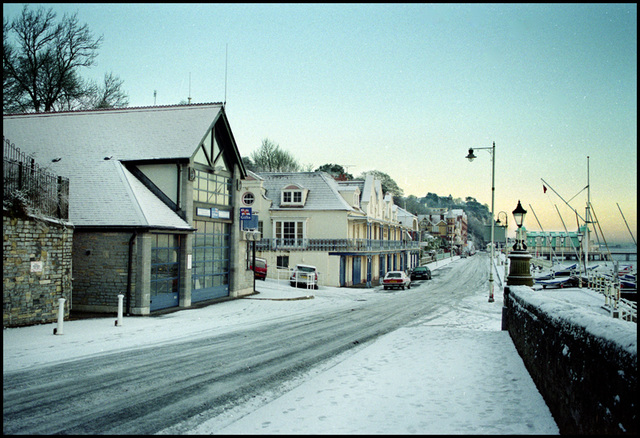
{"x": 518, "y": 214}
{"x": 470, "y": 157}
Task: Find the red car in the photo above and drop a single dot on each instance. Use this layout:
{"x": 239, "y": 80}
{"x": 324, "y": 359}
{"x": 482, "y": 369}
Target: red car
{"x": 261, "y": 268}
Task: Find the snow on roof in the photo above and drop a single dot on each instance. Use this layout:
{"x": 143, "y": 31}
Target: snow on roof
{"x": 323, "y": 190}
{"x": 91, "y": 146}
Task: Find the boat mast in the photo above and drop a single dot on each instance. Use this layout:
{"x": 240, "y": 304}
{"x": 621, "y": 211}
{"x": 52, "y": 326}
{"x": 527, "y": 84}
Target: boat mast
{"x": 587, "y": 221}
{"x": 625, "y": 222}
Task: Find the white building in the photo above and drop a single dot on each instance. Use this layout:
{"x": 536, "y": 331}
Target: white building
{"x": 350, "y": 230}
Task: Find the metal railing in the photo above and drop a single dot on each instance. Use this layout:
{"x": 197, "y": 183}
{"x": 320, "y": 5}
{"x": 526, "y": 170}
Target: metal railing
{"x": 337, "y": 245}
{"x": 617, "y": 306}
{"x": 26, "y": 183}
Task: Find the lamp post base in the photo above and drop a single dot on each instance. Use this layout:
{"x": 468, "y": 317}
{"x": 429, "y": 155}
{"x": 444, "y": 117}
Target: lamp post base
{"x": 519, "y": 269}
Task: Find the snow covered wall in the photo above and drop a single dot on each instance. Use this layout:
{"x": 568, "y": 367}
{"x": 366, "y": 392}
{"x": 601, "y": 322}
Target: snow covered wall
{"x": 583, "y": 363}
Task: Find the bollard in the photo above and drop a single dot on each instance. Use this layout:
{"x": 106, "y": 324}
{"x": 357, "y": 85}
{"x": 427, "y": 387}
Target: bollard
{"x": 120, "y": 306}
{"x": 59, "y": 330}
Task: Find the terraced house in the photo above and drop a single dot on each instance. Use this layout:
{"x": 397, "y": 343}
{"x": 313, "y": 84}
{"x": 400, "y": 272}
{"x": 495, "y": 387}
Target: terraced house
{"x": 153, "y": 199}
{"x": 349, "y": 230}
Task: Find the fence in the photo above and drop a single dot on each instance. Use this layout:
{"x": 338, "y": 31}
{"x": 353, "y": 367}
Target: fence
{"x": 617, "y": 306}
{"x": 338, "y": 245}
{"x": 25, "y": 182}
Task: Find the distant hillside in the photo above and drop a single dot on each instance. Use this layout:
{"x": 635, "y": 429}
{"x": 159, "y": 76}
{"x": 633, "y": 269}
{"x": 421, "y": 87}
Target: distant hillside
{"x": 478, "y": 215}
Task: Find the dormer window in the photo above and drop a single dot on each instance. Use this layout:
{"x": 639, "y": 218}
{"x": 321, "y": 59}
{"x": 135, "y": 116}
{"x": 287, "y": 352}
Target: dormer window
{"x": 293, "y": 196}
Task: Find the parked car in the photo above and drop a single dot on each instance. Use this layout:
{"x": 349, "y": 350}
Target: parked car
{"x": 261, "y": 268}
{"x": 397, "y": 279}
{"x": 305, "y": 275}
{"x": 421, "y": 272}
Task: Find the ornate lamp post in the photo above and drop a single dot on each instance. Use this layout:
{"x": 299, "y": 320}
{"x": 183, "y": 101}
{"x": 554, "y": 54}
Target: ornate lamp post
{"x": 506, "y": 227}
{"x": 471, "y": 157}
{"x": 519, "y": 269}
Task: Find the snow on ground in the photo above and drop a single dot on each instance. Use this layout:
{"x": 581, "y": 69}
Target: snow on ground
{"x": 452, "y": 374}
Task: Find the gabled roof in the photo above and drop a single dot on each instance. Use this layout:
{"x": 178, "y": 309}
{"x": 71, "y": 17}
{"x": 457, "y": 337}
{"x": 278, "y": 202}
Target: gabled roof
{"x": 323, "y": 190}
{"x": 92, "y": 145}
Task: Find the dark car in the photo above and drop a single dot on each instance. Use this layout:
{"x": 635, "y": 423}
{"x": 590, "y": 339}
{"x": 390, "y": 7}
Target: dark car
{"x": 421, "y": 272}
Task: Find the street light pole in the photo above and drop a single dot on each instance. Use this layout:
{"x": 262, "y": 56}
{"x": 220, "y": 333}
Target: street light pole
{"x": 471, "y": 157}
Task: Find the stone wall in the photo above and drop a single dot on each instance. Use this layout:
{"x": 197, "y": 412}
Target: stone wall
{"x": 37, "y": 266}
{"x": 587, "y": 377}
{"x": 101, "y": 269}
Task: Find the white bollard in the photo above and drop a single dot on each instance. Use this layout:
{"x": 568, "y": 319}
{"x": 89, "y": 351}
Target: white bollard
{"x": 59, "y": 330}
{"x": 120, "y": 311}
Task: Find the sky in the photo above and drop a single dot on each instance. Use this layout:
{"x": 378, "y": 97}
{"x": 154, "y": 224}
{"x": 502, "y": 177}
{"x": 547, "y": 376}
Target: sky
{"x": 346, "y": 394}
{"x": 407, "y": 89}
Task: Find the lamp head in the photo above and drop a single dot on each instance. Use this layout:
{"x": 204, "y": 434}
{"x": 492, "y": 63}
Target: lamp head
{"x": 518, "y": 214}
{"x": 471, "y": 157}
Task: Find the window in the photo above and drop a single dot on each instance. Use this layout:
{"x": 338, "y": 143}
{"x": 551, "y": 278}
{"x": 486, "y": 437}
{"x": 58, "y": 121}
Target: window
{"x": 293, "y": 197}
{"x": 282, "y": 262}
{"x": 212, "y": 189}
{"x": 165, "y": 270}
{"x": 289, "y": 230}
{"x": 248, "y": 198}
{"x": 210, "y": 270}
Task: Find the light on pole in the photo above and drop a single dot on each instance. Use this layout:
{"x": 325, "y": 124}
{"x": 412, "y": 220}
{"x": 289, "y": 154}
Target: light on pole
{"x": 471, "y": 157}
{"x": 506, "y": 228}
{"x": 518, "y": 215}
{"x": 519, "y": 266}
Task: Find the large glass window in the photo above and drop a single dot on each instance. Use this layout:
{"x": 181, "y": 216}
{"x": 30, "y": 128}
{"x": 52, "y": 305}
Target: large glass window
{"x": 289, "y": 229}
{"x": 165, "y": 270}
{"x": 210, "y": 268}
{"x": 212, "y": 189}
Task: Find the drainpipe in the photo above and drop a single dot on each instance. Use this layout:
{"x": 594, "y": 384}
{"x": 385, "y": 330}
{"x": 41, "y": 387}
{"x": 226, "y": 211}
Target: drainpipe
{"x": 129, "y": 270}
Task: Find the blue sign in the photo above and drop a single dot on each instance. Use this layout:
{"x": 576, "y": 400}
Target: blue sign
{"x": 245, "y": 213}
{"x": 251, "y": 224}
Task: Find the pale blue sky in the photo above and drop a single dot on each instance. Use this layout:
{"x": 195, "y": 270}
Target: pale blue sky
{"x": 406, "y": 89}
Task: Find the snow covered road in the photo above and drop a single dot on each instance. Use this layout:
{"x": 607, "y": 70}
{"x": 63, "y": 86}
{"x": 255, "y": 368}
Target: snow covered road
{"x": 243, "y": 366}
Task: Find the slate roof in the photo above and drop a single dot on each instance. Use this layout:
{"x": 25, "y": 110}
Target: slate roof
{"x": 103, "y": 193}
{"x": 323, "y": 190}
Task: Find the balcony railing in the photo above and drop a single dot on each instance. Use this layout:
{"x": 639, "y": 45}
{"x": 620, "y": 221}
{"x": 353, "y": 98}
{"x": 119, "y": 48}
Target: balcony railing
{"x": 336, "y": 245}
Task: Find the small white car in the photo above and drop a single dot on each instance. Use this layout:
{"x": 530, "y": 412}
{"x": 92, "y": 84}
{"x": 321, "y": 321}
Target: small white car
{"x": 396, "y": 279}
{"x": 304, "y": 275}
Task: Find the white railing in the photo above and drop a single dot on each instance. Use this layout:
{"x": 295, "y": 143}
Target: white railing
{"x": 337, "y": 245}
{"x": 628, "y": 310}
{"x": 617, "y": 306}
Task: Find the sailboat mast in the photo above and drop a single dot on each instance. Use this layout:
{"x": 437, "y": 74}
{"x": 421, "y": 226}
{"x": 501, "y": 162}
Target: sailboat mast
{"x": 625, "y": 222}
{"x": 588, "y": 221}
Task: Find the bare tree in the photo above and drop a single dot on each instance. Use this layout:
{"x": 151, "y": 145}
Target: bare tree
{"x": 270, "y": 158}
{"x": 41, "y": 63}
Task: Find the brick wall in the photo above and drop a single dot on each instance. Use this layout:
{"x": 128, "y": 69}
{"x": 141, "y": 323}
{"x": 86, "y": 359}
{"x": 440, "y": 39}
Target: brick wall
{"x": 589, "y": 381}
{"x": 37, "y": 267}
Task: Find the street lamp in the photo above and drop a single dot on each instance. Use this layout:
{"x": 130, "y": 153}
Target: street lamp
{"x": 519, "y": 266}
{"x": 471, "y": 157}
{"x": 518, "y": 215}
{"x": 506, "y": 227}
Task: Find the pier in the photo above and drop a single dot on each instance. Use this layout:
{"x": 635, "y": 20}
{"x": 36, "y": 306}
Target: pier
{"x": 618, "y": 254}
